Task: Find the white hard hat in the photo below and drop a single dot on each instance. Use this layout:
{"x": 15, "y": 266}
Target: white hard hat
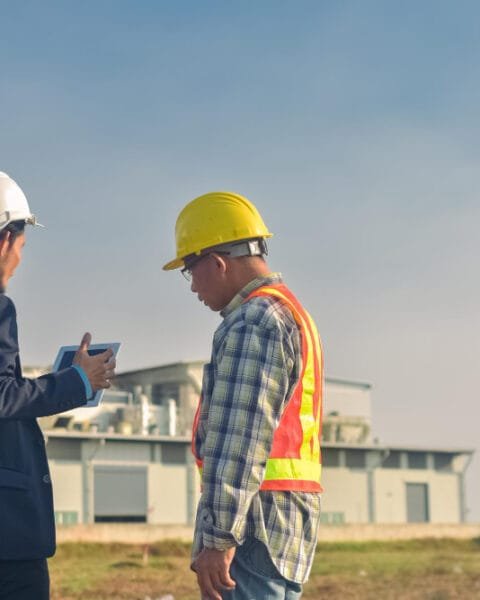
{"x": 13, "y": 203}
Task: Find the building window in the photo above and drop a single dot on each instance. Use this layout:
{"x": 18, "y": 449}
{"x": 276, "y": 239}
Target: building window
{"x": 173, "y": 454}
{"x": 66, "y": 517}
{"x": 417, "y": 460}
{"x": 392, "y": 461}
{"x": 355, "y": 459}
{"x": 332, "y": 518}
{"x": 330, "y": 457}
{"x": 443, "y": 461}
{"x": 162, "y": 392}
{"x": 64, "y": 449}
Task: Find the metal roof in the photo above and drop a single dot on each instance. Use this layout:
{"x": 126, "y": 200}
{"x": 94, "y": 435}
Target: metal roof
{"x": 183, "y": 363}
{"x": 334, "y": 380}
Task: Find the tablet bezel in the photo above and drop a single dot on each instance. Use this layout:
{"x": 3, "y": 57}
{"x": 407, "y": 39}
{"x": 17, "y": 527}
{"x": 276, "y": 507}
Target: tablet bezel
{"x": 115, "y": 346}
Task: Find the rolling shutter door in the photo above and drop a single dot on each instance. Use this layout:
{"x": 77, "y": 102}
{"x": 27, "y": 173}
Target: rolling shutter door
{"x": 120, "y": 494}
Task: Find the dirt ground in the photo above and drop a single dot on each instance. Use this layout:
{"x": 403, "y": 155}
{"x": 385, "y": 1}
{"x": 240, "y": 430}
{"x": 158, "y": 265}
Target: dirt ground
{"x": 415, "y": 570}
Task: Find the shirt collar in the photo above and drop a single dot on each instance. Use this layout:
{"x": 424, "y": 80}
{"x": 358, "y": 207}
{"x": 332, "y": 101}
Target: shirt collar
{"x": 236, "y": 301}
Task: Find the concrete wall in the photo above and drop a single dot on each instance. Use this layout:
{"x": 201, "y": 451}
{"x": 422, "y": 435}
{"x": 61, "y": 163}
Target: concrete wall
{"x": 345, "y": 493}
{"x": 390, "y": 495}
{"x": 361, "y": 492}
{"x": 143, "y": 534}
{"x": 167, "y": 494}
{"x": 348, "y": 399}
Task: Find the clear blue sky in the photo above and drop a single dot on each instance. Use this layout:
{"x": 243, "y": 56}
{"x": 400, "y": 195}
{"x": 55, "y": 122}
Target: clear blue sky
{"x": 352, "y": 125}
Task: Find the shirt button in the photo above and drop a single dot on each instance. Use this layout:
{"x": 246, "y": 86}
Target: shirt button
{"x": 46, "y": 479}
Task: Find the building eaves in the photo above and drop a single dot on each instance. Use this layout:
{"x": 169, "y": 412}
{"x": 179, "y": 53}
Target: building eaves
{"x": 87, "y": 435}
{"x": 51, "y": 433}
{"x": 396, "y": 448}
{"x": 348, "y": 383}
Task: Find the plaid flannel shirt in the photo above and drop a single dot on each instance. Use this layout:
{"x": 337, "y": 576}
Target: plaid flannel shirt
{"x": 255, "y": 364}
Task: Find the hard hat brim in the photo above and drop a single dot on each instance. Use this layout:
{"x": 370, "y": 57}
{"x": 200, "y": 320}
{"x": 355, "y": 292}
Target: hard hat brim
{"x": 176, "y": 263}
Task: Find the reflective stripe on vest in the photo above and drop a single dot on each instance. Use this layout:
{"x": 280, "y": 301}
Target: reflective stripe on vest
{"x": 294, "y": 463}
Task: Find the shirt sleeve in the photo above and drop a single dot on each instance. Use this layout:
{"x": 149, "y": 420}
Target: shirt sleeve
{"x": 86, "y": 382}
{"x": 252, "y": 382}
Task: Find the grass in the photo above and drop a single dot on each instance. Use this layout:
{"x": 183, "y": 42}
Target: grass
{"x": 433, "y": 569}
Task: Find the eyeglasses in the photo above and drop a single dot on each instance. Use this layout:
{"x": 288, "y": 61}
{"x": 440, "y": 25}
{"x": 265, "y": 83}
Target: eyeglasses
{"x": 187, "y": 269}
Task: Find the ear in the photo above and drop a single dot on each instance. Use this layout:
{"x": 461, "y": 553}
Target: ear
{"x": 220, "y": 263}
{"x": 5, "y": 244}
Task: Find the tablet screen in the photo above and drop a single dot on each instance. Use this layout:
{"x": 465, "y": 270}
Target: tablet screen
{"x": 67, "y": 357}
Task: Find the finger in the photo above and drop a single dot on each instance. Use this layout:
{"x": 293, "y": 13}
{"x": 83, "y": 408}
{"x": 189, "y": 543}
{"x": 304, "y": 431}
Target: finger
{"x": 203, "y": 581}
{"x": 108, "y": 368}
{"x": 207, "y": 588}
{"x": 217, "y": 584}
{"x": 225, "y": 580}
{"x": 105, "y": 359}
{"x": 85, "y": 343}
{"x": 107, "y": 355}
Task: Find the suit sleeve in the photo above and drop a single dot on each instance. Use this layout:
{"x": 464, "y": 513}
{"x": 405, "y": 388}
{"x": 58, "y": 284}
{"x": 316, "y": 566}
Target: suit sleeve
{"x": 22, "y": 398}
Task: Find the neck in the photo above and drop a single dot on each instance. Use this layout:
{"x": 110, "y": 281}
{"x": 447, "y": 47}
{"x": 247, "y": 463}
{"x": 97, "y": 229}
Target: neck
{"x": 245, "y": 270}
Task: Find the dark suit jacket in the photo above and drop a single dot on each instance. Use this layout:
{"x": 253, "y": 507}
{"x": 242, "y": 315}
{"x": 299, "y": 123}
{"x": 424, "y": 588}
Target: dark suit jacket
{"x": 27, "y": 527}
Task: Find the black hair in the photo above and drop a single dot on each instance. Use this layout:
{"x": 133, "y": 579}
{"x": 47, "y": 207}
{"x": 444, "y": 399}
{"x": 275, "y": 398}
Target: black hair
{"x": 15, "y": 228}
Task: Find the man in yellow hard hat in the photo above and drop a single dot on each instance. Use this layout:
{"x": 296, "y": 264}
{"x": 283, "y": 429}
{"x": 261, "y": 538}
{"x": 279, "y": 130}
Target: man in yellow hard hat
{"x": 256, "y": 434}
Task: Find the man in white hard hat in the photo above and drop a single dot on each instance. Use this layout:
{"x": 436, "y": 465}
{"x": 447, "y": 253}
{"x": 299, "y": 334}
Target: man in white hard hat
{"x": 256, "y": 434}
{"x": 27, "y": 527}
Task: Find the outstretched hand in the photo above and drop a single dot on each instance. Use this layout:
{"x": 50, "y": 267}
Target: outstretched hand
{"x": 99, "y": 368}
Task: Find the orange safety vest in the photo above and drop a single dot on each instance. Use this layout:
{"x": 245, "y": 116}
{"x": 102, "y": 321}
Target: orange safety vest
{"x": 294, "y": 463}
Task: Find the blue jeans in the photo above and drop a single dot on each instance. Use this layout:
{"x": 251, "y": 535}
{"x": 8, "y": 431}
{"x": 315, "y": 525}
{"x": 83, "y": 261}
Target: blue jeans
{"x": 256, "y": 576}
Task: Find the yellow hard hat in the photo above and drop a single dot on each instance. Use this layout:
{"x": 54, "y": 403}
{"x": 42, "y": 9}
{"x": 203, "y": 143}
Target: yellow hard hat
{"x": 214, "y": 219}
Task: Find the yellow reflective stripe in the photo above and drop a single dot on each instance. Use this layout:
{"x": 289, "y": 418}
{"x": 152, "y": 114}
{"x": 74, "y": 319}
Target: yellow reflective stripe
{"x": 319, "y": 354}
{"x": 310, "y": 425}
{"x": 292, "y": 468}
{"x": 307, "y": 417}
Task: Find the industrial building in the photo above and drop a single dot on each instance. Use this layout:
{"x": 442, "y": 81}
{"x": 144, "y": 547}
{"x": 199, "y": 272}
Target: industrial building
{"x": 129, "y": 460}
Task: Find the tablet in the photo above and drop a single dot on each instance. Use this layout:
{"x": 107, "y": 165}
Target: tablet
{"x": 65, "y": 358}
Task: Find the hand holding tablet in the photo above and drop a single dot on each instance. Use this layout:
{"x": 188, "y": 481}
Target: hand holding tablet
{"x": 97, "y": 361}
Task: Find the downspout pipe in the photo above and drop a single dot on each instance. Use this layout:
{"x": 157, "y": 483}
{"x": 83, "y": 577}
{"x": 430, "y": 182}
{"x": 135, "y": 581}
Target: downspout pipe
{"x": 371, "y": 484}
{"x": 462, "y": 490}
